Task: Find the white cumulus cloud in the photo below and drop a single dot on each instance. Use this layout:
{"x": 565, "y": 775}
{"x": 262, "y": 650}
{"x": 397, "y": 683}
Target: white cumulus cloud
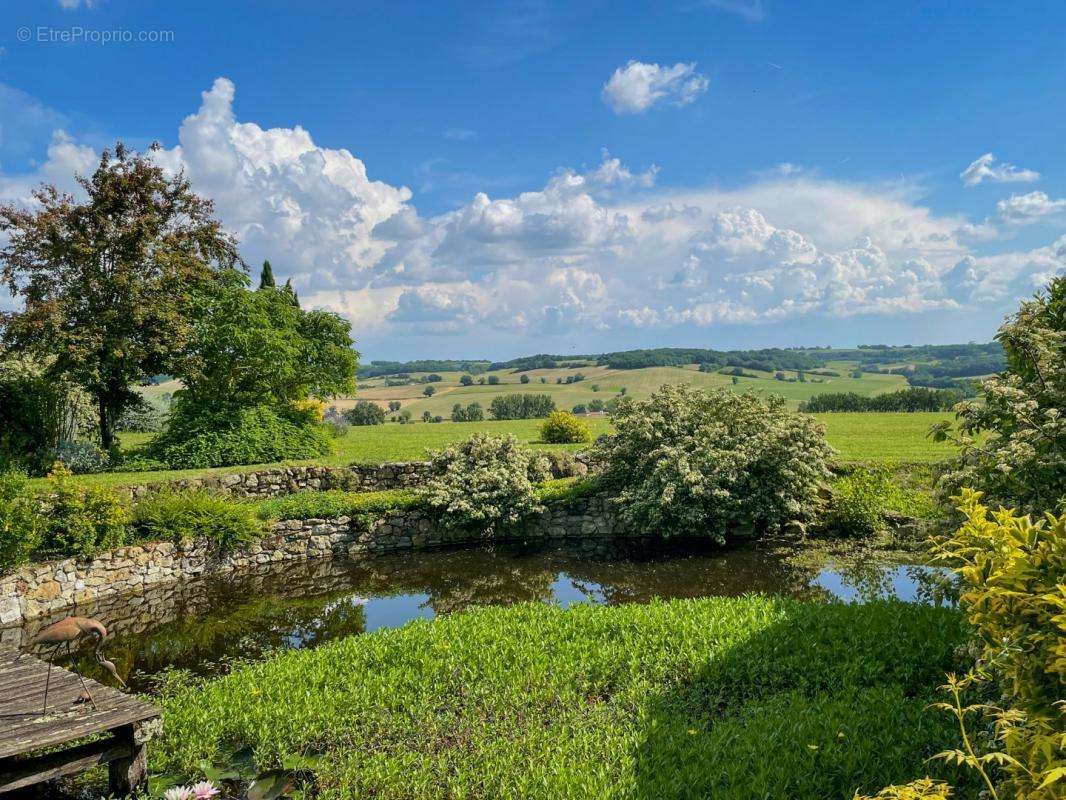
{"x": 591, "y": 251}
{"x": 1022, "y": 209}
{"x": 637, "y": 86}
{"x": 985, "y": 168}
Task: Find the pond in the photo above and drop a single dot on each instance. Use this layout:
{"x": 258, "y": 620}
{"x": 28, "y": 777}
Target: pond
{"x": 208, "y": 624}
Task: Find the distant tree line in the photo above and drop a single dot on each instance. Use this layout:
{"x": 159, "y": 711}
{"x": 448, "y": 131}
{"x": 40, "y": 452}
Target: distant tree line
{"x": 911, "y": 399}
{"x": 521, "y": 406}
{"x": 376, "y": 369}
{"x": 767, "y": 360}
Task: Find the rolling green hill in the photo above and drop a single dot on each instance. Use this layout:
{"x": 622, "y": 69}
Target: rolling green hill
{"x": 637, "y": 383}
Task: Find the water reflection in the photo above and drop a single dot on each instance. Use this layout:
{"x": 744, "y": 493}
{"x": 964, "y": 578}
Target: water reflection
{"x": 204, "y": 625}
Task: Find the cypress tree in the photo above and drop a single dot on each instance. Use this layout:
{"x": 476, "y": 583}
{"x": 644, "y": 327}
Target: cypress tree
{"x": 266, "y": 277}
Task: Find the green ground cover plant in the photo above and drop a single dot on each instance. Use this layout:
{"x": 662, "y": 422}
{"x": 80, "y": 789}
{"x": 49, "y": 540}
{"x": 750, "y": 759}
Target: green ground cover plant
{"x": 863, "y": 496}
{"x": 334, "y": 503}
{"x": 732, "y": 698}
{"x": 179, "y": 516}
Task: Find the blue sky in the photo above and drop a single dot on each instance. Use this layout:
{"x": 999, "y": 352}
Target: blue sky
{"x": 504, "y": 178}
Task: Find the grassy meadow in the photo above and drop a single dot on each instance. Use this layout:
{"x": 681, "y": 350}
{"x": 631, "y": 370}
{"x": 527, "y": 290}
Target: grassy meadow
{"x": 637, "y": 383}
{"x": 871, "y": 437}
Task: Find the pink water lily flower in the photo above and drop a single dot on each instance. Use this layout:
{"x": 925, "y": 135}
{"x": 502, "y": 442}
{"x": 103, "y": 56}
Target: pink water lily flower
{"x": 178, "y": 793}
{"x": 204, "y": 790}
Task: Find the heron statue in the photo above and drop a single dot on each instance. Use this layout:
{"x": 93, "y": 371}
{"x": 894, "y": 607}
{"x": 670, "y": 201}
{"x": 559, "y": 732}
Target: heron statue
{"x": 70, "y": 631}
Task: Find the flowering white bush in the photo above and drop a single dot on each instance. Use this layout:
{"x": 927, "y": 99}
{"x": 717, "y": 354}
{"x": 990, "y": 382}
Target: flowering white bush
{"x": 712, "y": 463}
{"x": 486, "y": 480}
{"x": 1013, "y": 439}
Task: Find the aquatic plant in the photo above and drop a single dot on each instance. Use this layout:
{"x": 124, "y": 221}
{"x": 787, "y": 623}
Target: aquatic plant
{"x": 732, "y": 698}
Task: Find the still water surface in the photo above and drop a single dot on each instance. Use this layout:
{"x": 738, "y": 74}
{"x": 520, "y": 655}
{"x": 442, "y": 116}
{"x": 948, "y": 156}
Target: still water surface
{"x": 205, "y": 625}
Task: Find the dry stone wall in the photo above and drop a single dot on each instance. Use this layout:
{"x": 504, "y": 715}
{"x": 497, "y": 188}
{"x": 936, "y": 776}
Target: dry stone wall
{"x": 39, "y": 590}
{"x": 278, "y": 481}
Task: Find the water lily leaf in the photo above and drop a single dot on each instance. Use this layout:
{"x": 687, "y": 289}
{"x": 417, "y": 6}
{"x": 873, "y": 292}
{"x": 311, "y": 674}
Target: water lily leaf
{"x": 271, "y": 785}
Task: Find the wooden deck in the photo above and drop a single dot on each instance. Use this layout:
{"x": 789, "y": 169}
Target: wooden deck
{"x": 24, "y": 729}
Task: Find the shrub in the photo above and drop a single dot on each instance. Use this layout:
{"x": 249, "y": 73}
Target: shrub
{"x": 579, "y": 409}
{"x": 712, "y": 463}
{"x": 524, "y": 379}
{"x": 924, "y": 789}
{"x": 472, "y": 413}
{"x": 179, "y": 516}
{"x": 494, "y": 380}
{"x": 82, "y": 457}
{"x": 1013, "y": 439}
{"x": 38, "y": 411}
{"x": 859, "y": 501}
{"x": 467, "y": 380}
{"x": 486, "y": 480}
{"x": 141, "y": 417}
{"x": 257, "y": 435}
{"x": 562, "y": 427}
{"x": 337, "y": 428}
{"x": 394, "y": 405}
{"x": 429, "y": 391}
{"x": 22, "y": 526}
{"x": 81, "y": 520}
{"x": 333, "y": 503}
{"x": 521, "y": 406}
{"x": 1012, "y": 572}
{"x": 365, "y": 413}
{"x": 596, "y": 405}
{"x": 405, "y": 416}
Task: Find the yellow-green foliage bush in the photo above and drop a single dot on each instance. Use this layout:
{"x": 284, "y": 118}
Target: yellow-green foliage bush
{"x": 1013, "y": 589}
{"x": 562, "y": 427}
{"x": 1013, "y": 572}
{"x": 81, "y": 519}
{"x": 924, "y": 789}
{"x": 21, "y": 525}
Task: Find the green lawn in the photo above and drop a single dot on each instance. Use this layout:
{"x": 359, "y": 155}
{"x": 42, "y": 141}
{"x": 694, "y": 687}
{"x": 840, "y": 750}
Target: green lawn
{"x": 875, "y": 437}
{"x": 736, "y": 699}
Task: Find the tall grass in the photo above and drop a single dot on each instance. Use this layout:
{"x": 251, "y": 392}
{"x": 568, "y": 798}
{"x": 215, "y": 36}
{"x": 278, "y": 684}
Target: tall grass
{"x": 727, "y": 698}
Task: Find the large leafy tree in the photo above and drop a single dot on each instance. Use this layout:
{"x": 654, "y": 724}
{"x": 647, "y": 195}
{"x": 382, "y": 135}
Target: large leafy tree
{"x": 1013, "y": 438}
{"x": 105, "y": 282}
{"x": 255, "y": 348}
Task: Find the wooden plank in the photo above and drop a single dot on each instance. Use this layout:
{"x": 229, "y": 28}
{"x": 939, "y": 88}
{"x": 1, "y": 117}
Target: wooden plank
{"x": 20, "y": 774}
{"x": 23, "y": 727}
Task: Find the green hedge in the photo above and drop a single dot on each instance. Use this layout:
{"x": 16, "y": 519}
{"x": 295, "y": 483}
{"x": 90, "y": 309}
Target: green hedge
{"x": 734, "y": 699}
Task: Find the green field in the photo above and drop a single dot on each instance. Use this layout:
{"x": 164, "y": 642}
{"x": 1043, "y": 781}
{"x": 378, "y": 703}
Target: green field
{"x": 638, "y": 383}
{"x": 873, "y": 437}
